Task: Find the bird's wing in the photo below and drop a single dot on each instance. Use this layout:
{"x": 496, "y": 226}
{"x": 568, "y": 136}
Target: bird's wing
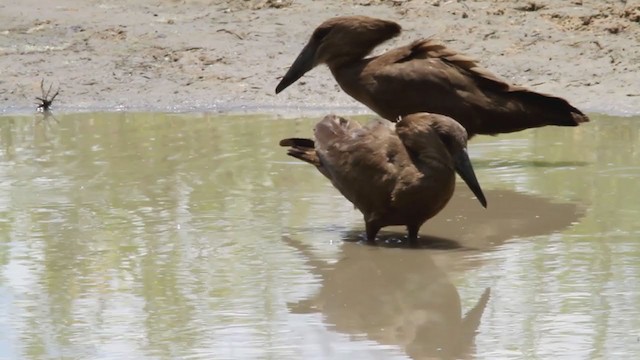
{"x": 428, "y": 76}
{"x": 432, "y": 57}
{"x": 359, "y": 159}
{"x": 352, "y": 149}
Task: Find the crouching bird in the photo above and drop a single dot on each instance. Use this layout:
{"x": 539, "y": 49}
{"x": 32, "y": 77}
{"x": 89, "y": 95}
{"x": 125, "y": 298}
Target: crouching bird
{"x": 423, "y": 76}
{"x": 395, "y": 174}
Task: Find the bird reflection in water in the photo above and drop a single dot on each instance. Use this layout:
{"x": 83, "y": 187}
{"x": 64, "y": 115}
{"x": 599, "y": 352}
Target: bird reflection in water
{"x": 396, "y": 297}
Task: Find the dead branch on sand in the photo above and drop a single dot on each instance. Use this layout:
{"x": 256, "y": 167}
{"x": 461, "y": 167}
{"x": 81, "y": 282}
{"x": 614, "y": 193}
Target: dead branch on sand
{"x": 44, "y": 104}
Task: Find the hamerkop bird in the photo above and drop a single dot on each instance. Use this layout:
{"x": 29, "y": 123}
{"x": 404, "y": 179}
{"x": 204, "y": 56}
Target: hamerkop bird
{"x": 400, "y": 174}
{"x": 423, "y": 76}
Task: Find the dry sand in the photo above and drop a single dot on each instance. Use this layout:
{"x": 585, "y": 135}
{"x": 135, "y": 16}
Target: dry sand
{"x": 228, "y": 55}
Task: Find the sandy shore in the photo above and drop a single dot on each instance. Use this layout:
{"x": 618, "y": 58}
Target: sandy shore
{"x": 228, "y": 55}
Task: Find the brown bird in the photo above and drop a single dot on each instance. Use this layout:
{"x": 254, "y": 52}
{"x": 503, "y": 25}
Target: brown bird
{"x": 423, "y": 76}
{"x": 394, "y": 176}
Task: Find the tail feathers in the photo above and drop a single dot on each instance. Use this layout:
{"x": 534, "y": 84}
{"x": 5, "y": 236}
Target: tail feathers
{"x": 299, "y": 142}
{"x": 556, "y": 111}
{"x": 305, "y": 154}
{"x": 302, "y": 149}
{"x": 525, "y": 109}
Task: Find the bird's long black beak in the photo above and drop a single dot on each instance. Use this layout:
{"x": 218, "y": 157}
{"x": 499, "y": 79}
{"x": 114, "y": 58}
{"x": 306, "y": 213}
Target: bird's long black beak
{"x": 465, "y": 170}
{"x": 303, "y": 63}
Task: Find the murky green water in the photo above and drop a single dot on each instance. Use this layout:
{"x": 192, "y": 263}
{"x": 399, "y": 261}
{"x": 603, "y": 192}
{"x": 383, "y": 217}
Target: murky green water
{"x": 194, "y": 236}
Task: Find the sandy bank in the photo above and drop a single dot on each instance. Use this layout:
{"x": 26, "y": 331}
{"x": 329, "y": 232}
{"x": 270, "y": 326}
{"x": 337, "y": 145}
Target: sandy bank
{"x": 220, "y": 55}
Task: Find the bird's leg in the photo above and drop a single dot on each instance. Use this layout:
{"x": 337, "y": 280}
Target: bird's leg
{"x": 413, "y": 234}
{"x": 372, "y": 229}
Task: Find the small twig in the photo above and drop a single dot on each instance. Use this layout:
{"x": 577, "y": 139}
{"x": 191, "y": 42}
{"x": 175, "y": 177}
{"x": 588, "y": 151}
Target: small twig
{"x": 531, "y": 6}
{"x": 231, "y": 32}
{"x": 45, "y": 102}
{"x": 486, "y": 36}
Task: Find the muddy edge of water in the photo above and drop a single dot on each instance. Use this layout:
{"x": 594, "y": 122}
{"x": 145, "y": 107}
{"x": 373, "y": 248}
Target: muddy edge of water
{"x": 221, "y": 55}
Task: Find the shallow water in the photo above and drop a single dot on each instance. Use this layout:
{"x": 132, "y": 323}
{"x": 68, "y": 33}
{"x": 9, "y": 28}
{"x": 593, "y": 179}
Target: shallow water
{"x": 194, "y": 236}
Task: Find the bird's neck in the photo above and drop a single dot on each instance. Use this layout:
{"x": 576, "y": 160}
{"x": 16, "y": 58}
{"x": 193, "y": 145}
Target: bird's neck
{"x": 349, "y": 75}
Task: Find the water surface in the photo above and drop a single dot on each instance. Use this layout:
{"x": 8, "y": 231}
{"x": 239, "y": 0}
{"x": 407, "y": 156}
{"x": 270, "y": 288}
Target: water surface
{"x": 194, "y": 236}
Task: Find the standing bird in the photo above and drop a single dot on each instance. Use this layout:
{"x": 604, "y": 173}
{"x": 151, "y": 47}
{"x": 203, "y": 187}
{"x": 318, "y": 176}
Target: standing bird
{"x": 395, "y": 175}
{"x": 423, "y": 76}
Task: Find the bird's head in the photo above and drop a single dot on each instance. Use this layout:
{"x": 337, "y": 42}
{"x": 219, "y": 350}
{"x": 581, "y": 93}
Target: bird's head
{"x": 338, "y": 41}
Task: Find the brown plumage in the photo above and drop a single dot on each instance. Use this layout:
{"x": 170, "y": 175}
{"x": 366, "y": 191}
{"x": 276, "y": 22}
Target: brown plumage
{"x": 424, "y": 76}
{"x": 395, "y": 174}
